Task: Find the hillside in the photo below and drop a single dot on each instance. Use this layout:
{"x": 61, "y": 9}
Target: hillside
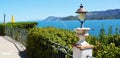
{"x": 94, "y": 15}
{"x": 108, "y": 14}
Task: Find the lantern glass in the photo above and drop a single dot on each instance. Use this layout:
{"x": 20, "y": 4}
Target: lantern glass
{"x": 81, "y": 16}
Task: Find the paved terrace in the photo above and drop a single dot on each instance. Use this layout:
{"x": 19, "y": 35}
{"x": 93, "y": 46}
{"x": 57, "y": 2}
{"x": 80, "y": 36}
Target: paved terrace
{"x": 11, "y": 49}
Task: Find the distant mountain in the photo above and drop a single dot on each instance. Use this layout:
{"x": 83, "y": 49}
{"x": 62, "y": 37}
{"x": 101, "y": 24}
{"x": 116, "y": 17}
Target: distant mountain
{"x": 108, "y": 14}
{"x": 69, "y": 18}
{"x": 94, "y": 15}
{"x": 53, "y": 18}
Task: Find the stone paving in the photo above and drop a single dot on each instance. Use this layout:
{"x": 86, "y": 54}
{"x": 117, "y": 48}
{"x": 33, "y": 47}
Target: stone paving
{"x": 11, "y": 49}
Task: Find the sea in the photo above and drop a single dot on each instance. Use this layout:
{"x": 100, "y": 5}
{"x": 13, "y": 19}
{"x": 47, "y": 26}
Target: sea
{"x": 94, "y": 25}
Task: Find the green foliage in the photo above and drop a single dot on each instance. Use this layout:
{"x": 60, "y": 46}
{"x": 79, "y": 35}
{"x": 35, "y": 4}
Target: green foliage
{"x": 22, "y": 25}
{"x": 38, "y": 45}
{"x": 114, "y": 39}
{"x": 106, "y": 46}
{"x": 102, "y": 35}
{"x": 109, "y": 51}
{"x": 105, "y": 50}
{"x": 92, "y": 40}
{"x": 110, "y": 30}
{"x": 117, "y": 30}
{"x": 2, "y": 29}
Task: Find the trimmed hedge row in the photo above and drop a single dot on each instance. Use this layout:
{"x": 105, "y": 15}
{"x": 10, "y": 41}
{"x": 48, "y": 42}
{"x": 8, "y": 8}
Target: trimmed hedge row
{"x": 2, "y": 29}
{"x": 22, "y": 25}
{"x": 38, "y": 45}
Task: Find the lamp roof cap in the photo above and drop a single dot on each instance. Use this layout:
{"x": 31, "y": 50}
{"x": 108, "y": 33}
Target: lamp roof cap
{"x": 81, "y": 9}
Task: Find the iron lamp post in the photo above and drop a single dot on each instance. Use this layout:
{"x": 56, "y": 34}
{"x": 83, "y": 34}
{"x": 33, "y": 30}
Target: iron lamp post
{"x": 81, "y": 15}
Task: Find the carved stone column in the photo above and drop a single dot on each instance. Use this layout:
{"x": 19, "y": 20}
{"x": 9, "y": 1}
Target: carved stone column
{"x": 82, "y": 49}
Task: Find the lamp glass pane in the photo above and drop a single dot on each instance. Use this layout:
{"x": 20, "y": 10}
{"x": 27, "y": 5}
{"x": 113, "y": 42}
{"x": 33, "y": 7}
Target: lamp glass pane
{"x": 81, "y": 16}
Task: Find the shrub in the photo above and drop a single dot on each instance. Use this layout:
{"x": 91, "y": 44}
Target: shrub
{"x": 108, "y": 46}
{"x": 22, "y": 25}
{"x": 2, "y": 29}
{"x": 38, "y": 45}
{"x": 109, "y": 51}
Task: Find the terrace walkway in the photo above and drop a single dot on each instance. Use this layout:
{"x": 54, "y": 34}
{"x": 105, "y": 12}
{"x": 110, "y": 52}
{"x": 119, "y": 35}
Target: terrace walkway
{"x": 11, "y": 49}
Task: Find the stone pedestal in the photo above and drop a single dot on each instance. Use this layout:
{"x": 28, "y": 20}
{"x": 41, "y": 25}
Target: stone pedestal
{"x": 82, "y": 49}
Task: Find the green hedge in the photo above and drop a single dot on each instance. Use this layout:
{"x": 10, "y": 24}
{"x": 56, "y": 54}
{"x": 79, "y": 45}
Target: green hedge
{"x": 108, "y": 49}
{"x": 106, "y": 46}
{"x": 2, "y": 29}
{"x": 38, "y": 45}
{"x": 22, "y": 25}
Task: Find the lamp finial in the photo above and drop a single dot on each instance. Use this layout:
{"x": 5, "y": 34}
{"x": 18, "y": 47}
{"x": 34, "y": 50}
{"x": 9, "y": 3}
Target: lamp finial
{"x": 81, "y": 6}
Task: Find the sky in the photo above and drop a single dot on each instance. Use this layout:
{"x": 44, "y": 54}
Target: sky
{"x": 28, "y": 10}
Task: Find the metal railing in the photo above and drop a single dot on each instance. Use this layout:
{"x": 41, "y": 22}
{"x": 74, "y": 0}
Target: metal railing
{"x": 21, "y": 36}
{"x": 17, "y": 34}
{"x": 63, "y": 51}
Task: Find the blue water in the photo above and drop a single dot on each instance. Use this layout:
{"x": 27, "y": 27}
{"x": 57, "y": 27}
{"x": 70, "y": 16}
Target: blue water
{"x": 95, "y": 25}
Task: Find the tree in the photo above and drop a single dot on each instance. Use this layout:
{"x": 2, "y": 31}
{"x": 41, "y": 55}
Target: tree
{"x": 110, "y": 30}
{"x": 102, "y": 35}
{"x": 117, "y": 30}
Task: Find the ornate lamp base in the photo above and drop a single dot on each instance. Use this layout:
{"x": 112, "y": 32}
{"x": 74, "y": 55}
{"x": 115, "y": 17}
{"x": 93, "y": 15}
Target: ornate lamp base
{"x": 82, "y": 49}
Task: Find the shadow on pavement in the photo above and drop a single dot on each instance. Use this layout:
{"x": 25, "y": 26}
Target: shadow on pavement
{"x": 23, "y": 54}
{"x": 22, "y": 51}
